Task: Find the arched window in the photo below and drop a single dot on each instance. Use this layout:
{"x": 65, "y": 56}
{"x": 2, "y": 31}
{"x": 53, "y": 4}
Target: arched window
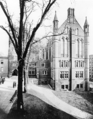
{"x": 63, "y": 43}
{"x": 66, "y": 30}
{"x": 77, "y": 31}
{"x": 78, "y": 45}
{"x": 67, "y": 46}
{"x": 82, "y": 47}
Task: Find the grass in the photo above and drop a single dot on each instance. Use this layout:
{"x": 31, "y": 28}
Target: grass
{"x": 81, "y": 100}
{"x": 37, "y": 109}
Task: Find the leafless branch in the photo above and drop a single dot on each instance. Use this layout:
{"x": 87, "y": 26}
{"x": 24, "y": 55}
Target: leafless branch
{"x": 5, "y": 10}
{"x": 50, "y": 3}
{"x": 9, "y": 37}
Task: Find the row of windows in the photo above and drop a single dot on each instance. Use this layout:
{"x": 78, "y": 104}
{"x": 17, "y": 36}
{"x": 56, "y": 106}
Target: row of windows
{"x": 64, "y": 74}
{"x": 79, "y": 74}
{"x": 63, "y": 63}
{"x": 32, "y": 72}
{"x": 66, "y": 86}
{"x": 76, "y": 31}
{"x": 79, "y": 85}
{"x": 79, "y": 63}
{"x": 44, "y": 72}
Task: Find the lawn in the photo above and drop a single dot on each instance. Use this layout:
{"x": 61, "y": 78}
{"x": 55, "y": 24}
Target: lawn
{"x": 37, "y": 109}
{"x": 81, "y": 100}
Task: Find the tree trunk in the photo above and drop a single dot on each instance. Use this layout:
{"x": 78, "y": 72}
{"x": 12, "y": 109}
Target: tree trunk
{"x": 25, "y": 82}
{"x": 20, "y": 80}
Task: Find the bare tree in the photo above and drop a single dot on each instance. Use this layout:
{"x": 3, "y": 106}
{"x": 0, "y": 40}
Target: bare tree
{"x": 17, "y": 36}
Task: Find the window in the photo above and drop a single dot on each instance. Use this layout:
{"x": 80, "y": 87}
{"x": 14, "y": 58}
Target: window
{"x": 77, "y": 74}
{"x": 33, "y": 72}
{"x": 62, "y": 74}
{"x": 62, "y": 86}
{"x": 66, "y": 74}
{"x": 43, "y": 64}
{"x": 66, "y": 30}
{"x": 81, "y": 85}
{"x": 81, "y": 74}
{"x": 77, "y": 85}
{"x": 77, "y": 31}
{"x": 2, "y": 62}
{"x": 61, "y": 63}
{"x": 66, "y": 64}
{"x": 67, "y": 86}
{"x": 29, "y": 72}
{"x": 81, "y": 64}
{"x": 44, "y": 72}
{"x": 2, "y": 69}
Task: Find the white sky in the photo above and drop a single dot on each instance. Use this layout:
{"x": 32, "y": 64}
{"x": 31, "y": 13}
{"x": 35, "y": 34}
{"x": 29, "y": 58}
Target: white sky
{"x": 83, "y": 8}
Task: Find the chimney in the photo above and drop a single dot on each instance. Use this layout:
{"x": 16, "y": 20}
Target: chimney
{"x": 71, "y": 15}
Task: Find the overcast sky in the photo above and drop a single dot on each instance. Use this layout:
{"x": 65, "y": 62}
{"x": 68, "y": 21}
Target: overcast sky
{"x": 82, "y": 8}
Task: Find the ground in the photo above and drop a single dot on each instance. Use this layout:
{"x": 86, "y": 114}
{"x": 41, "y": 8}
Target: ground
{"x": 37, "y": 109}
{"x": 81, "y": 100}
{"x": 5, "y": 104}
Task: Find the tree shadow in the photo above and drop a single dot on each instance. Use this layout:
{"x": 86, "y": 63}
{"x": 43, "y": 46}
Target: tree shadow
{"x": 35, "y": 108}
{"x": 86, "y": 95}
{"x": 2, "y": 114}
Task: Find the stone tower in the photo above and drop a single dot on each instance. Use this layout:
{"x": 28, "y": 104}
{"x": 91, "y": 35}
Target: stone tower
{"x": 86, "y": 54}
{"x": 55, "y": 49}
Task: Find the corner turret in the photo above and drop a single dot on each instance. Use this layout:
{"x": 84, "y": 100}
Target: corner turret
{"x": 86, "y": 54}
{"x": 55, "y": 22}
{"x": 86, "y": 27}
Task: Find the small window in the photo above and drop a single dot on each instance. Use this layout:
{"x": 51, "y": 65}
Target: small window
{"x": 43, "y": 65}
{"x": 33, "y": 72}
{"x": 62, "y": 86}
{"x": 62, "y": 74}
{"x": 67, "y": 86}
{"x": 81, "y": 85}
{"x": 77, "y": 85}
{"x": 2, "y": 62}
{"x": 77, "y": 31}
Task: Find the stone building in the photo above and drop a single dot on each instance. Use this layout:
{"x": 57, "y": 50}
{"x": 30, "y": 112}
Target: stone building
{"x": 91, "y": 68}
{"x": 59, "y": 54}
{"x": 3, "y": 66}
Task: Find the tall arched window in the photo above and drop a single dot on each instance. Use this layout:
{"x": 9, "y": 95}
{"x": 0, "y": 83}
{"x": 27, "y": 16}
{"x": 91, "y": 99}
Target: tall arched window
{"x": 63, "y": 39}
{"x": 67, "y": 46}
{"x": 82, "y": 47}
{"x": 77, "y": 31}
{"x": 66, "y": 30}
{"x": 62, "y": 45}
{"x": 78, "y": 47}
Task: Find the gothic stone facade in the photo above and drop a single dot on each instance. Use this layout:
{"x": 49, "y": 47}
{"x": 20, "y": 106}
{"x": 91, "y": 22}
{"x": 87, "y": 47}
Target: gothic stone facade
{"x": 59, "y": 50}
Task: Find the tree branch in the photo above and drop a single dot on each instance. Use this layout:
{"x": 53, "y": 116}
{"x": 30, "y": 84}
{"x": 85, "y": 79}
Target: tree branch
{"x": 9, "y": 21}
{"x": 50, "y": 3}
{"x": 10, "y": 38}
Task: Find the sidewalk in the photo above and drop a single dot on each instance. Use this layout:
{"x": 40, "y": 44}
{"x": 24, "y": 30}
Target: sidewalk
{"x": 48, "y": 96}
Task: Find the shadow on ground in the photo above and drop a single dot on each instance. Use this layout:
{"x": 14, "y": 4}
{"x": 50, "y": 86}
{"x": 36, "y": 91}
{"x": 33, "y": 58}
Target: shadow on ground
{"x": 37, "y": 109}
{"x": 86, "y": 95}
{"x": 2, "y": 114}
